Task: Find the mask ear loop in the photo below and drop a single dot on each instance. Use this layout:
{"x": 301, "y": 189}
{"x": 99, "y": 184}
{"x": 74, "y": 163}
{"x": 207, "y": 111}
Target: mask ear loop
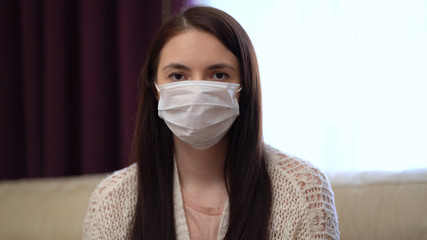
{"x": 157, "y": 87}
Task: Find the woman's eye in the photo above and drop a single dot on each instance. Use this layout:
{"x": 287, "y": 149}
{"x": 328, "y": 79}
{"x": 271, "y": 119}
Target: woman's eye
{"x": 219, "y": 76}
{"x": 176, "y": 76}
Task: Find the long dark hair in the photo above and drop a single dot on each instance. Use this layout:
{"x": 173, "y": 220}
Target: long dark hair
{"x": 248, "y": 182}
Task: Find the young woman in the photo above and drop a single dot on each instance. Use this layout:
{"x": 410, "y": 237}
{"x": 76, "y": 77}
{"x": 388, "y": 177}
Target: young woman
{"x": 202, "y": 170}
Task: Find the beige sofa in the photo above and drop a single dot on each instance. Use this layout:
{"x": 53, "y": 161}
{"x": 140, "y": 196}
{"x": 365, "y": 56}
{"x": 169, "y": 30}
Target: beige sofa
{"x": 370, "y": 205}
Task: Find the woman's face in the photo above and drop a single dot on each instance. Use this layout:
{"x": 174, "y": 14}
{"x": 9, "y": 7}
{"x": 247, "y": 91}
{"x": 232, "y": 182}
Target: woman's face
{"x": 197, "y": 55}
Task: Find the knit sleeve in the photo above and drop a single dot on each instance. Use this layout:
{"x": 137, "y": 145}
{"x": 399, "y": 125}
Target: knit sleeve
{"x": 111, "y": 207}
{"x": 319, "y": 219}
{"x": 303, "y": 201}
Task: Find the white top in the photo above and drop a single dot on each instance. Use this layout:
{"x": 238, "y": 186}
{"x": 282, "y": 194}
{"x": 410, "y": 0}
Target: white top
{"x": 303, "y": 203}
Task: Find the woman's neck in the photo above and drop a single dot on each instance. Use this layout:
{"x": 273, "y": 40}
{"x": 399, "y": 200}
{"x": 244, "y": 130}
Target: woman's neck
{"x": 201, "y": 172}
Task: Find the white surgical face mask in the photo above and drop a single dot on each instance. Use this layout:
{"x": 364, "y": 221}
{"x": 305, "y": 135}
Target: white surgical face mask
{"x": 199, "y": 112}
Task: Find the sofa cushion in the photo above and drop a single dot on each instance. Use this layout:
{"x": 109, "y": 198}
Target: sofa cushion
{"x": 52, "y": 208}
{"x": 381, "y": 205}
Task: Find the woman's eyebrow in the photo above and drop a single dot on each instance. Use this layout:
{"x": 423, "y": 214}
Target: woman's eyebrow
{"x": 221, "y": 65}
{"x": 211, "y": 67}
{"x": 177, "y": 66}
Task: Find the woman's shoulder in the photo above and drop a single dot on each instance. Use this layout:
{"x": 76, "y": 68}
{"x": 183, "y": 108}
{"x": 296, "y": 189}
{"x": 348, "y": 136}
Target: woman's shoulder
{"x": 295, "y": 171}
{"x": 303, "y": 196}
{"x": 111, "y": 206}
{"x": 125, "y": 178}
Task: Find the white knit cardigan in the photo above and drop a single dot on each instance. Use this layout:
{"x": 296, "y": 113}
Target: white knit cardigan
{"x": 302, "y": 208}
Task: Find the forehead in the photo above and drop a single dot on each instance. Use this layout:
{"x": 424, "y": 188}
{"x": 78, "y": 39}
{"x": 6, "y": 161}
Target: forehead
{"x": 196, "y": 47}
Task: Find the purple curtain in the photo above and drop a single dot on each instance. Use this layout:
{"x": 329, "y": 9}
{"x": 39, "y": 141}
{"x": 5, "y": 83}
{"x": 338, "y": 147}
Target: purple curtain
{"x": 68, "y": 73}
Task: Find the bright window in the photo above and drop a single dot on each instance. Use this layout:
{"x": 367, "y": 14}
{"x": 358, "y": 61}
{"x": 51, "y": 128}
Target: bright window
{"x": 344, "y": 81}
